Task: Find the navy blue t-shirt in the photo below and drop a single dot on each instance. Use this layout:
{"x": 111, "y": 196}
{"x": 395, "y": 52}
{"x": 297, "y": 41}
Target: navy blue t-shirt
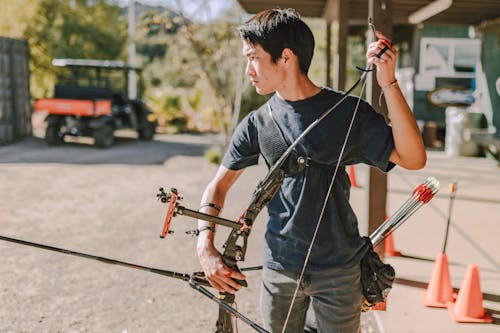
{"x": 295, "y": 209}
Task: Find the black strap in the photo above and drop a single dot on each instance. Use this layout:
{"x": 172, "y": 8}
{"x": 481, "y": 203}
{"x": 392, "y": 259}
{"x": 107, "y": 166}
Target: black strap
{"x": 272, "y": 146}
{"x": 282, "y": 134}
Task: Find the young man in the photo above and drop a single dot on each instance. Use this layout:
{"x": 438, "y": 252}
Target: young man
{"x": 279, "y": 47}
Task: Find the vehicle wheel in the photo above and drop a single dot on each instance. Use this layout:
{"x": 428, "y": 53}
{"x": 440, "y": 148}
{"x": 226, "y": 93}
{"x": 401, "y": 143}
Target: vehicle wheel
{"x": 53, "y": 135}
{"x": 147, "y": 132}
{"x": 104, "y": 136}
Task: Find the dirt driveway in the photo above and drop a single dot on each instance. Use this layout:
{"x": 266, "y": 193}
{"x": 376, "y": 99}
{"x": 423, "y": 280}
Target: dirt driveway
{"x": 103, "y": 202}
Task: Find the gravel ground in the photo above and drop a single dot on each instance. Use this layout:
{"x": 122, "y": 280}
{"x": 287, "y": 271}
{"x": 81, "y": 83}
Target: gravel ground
{"x": 103, "y": 202}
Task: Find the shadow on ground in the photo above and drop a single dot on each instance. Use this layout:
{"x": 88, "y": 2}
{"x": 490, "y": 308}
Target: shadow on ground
{"x": 126, "y": 150}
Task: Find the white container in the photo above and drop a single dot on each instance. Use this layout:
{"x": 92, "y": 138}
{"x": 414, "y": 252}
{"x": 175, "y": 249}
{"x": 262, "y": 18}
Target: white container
{"x": 454, "y": 129}
{"x": 459, "y": 123}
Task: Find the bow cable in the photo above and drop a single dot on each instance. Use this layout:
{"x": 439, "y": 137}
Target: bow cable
{"x": 362, "y": 78}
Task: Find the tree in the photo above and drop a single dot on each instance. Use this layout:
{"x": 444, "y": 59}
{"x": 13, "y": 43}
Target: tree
{"x": 92, "y": 29}
{"x": 206, "y": 55}
{"x": 218, "y": 53}
{"x": 15, "y": 16}
{"x": 199, "y": 56}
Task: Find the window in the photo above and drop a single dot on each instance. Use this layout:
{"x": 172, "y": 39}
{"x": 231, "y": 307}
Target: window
{"x": 449, "y": 57}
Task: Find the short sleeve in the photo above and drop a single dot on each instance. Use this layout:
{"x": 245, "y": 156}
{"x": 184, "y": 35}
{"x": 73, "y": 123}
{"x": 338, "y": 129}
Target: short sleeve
{"x": 243, "y": 150}
{"x": 376, "y": 140}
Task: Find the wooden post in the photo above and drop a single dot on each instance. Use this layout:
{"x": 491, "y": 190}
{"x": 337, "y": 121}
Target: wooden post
{"x": 328, "y": 78}
{"x": 337, "y": 11}
{"x": 380, "y": 11}
{"x": 342, "y": 35}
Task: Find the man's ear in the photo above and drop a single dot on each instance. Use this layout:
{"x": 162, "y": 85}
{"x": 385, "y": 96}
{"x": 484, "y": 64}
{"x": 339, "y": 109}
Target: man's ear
{"x": 287, "y": 55}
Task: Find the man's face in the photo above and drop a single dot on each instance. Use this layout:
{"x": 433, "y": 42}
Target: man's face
{"x": 265, "y": 76}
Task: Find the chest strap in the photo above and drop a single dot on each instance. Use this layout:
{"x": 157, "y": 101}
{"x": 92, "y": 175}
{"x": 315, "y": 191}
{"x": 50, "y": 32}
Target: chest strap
{"x": 273, "y": 144}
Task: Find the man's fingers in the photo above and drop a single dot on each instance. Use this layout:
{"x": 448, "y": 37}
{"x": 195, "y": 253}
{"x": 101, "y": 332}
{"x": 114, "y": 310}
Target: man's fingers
{"x": 224, "y": 281}
{"x": 229, "y": 273}
{"x": 216, "y": 285}
{"x": 375, "y": 48}
{"x": 382, "y": 51}
{"x": 380, "y": 35}
{"x": 229, "y": 279}
{"x": 224, "y": 285}
{"x": 235, "y": 275}
{"x": 232, "y": 285}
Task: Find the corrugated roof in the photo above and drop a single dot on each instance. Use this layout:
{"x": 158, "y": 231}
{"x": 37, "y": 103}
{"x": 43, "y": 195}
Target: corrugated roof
{"x": 460, "y": 12}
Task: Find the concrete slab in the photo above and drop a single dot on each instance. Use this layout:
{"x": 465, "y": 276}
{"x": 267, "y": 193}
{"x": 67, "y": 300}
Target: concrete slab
{"x": 473, "y": 239}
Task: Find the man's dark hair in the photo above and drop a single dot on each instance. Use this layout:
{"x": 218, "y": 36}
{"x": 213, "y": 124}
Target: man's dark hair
{"x": 277, "y": 29}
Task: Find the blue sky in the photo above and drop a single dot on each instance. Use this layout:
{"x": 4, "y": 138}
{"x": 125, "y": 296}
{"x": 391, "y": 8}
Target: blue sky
{"x": 209, "y": 8}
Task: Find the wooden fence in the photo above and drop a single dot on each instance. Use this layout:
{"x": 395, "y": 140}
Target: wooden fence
{"x": 15, "y": 105}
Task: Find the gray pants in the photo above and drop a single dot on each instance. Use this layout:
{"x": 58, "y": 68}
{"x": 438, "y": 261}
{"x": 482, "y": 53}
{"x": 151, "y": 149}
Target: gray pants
{"x": 333, "y": 298}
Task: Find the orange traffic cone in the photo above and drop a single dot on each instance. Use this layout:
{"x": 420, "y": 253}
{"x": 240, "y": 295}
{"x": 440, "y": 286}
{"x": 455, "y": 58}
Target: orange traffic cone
{"x": 352, "y": 176}
{"x": 390, "y": 250}
{"x": 469, "y": 305}
{"x": 439, "y": 291}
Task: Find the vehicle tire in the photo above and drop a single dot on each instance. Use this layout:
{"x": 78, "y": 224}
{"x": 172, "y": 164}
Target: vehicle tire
{"x": 104, "y": 136}
{"x": 53, "y": 135}
{"x": 147, "y": 131}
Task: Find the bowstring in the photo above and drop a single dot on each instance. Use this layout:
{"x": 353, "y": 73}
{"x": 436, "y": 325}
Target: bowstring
{"x": 330, "y": 187}
{"x": 323, "y": 208}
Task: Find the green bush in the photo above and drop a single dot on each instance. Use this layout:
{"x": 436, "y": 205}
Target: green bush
{"x": 214, "y": 154}
{"x": 168, "y": 113}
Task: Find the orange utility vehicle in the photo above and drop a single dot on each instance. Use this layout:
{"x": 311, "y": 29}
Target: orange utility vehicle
{"x": 89, "y": 101}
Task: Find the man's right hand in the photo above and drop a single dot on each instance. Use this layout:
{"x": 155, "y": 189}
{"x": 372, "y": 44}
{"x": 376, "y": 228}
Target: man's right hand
{"x": 217, "y": 273}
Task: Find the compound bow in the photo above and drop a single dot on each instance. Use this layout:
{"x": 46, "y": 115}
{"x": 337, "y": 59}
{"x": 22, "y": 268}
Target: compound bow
{"x": 267, "y": 188}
